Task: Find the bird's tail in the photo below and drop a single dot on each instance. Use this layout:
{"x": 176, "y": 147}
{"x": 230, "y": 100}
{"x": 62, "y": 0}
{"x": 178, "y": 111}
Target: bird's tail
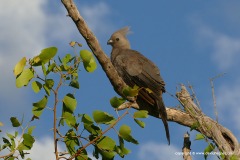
{"x": 163, "y": 114}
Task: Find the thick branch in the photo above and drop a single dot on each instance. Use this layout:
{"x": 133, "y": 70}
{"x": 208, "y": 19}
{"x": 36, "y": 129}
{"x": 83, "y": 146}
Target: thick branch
{"x": 94, "y": 45}
{"x": 173, "y": 115}
{"x": 223, "y": 138}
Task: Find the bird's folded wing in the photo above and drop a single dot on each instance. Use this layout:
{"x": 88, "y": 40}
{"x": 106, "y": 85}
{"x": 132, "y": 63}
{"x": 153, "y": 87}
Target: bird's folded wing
{"x": 140, "y": 70}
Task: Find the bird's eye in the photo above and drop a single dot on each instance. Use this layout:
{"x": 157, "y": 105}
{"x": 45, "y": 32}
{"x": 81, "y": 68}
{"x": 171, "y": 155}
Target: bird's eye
{"x": 117, "y": 39}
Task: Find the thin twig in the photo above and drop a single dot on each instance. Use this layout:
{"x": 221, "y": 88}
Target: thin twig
{"x": 194, "y": 95}
{"x": 55, "y": 116}
{"x": 213, "y": 94}
{"x": 8, "y": 155}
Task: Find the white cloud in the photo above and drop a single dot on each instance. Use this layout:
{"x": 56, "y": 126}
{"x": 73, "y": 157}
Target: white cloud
{"x": 225, "y": 49}
{"x": 158, "y": 151}
{"x": 22, "y": 28}
{"x": 218, "y": 31}
{"x": 43, "y": 149}
{"x": 96, "y": 17}
{"x": 46, "y": 145}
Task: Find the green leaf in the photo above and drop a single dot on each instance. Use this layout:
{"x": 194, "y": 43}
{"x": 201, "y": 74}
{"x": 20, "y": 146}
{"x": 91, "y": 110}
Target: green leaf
{"x": 36, "y": 86}
{"x": 74, "y": 83}
{"x": 71, "y": 141}
{"x": 125, "y": 133}
{"x": 7, "y": 143}
{"x": 39, "y": 106}
{"x": 107, "y": 155}
{"x": 131, "y": 92}
{"x": 89, "y": 62}
{"x": 116, "y": 102}
{"x": 15, "y": 122}
{"x": 67, "y": 58}
{"x": 106, "y": 143}
{"x": 10, "y": 136}
{"x": 91, "y": 128}
{"x": 44, "y": 69}
{"x": 87, "y": 119}
{"x": 95, "y": 152}
{"x": 102, "y": 117}
{"x": 125, "y": 151}
{"x": 70, "y": 119}
{"x": 140, "y": 114}
{"x": 195, "y": 125}
{"x": 140, "y": 123}
{"x": 121, "y": 150}
{"x": 46, "y": 89}
{"x": 83, "y": 155}
{"x": 45, "y": 56}
{"x": 86, "y": 55}
{"x": 20, "y": 66}
{"x": 24, "y": 78}
{"x": 48, "y": 53}
{"x": 13, "y": 145}
{"x": 30, "y": 129}
{"x": 199, "y": 137}
{"x": 69, "y": 102}
{"x": 27, "y": 142}
{"x": 49, "y": 83}
{"x": 51, "y": 68}
{"x": 91, "y": 66}
{"x": 36, "y": 61}
{"x": 208, "y": 150}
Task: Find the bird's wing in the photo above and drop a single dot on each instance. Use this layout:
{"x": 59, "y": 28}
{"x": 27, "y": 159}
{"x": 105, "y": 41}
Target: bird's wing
{"x": 135, "y": 69}
{"x": 140, "y": 70}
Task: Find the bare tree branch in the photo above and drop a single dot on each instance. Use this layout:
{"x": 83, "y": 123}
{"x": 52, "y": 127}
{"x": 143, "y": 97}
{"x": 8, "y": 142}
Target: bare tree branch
{"x": 223, "y": 138}
{"x": 213, "y": 94}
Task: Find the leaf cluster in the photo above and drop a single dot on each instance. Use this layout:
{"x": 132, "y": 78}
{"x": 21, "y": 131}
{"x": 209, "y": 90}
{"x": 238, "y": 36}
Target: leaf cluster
{"x": 16, "y": 144}
{"x": 76, "y": 130}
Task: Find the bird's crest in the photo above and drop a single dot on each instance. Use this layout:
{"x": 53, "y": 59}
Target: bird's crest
{"x": 124, "y": 31}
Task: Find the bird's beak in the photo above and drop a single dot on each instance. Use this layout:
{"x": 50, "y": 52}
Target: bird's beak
{"x": 109, "y": 42}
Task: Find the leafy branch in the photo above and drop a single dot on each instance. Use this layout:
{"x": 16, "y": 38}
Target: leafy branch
{"x": 16, "y": 145}
{"x": 67, "y": 69}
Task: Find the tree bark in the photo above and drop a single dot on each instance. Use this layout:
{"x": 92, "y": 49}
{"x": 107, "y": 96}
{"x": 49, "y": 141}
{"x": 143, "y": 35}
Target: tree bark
{"x": 222, "y": 137}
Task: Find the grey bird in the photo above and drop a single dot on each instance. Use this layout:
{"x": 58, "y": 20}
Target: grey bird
{"x": 135, "y": 69}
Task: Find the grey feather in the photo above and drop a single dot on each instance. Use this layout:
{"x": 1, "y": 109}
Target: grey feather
{"x": 135, "y": 69}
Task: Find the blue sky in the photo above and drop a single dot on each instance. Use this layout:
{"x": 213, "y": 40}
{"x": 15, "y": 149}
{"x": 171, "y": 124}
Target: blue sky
{"x": 190, "y": 41}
